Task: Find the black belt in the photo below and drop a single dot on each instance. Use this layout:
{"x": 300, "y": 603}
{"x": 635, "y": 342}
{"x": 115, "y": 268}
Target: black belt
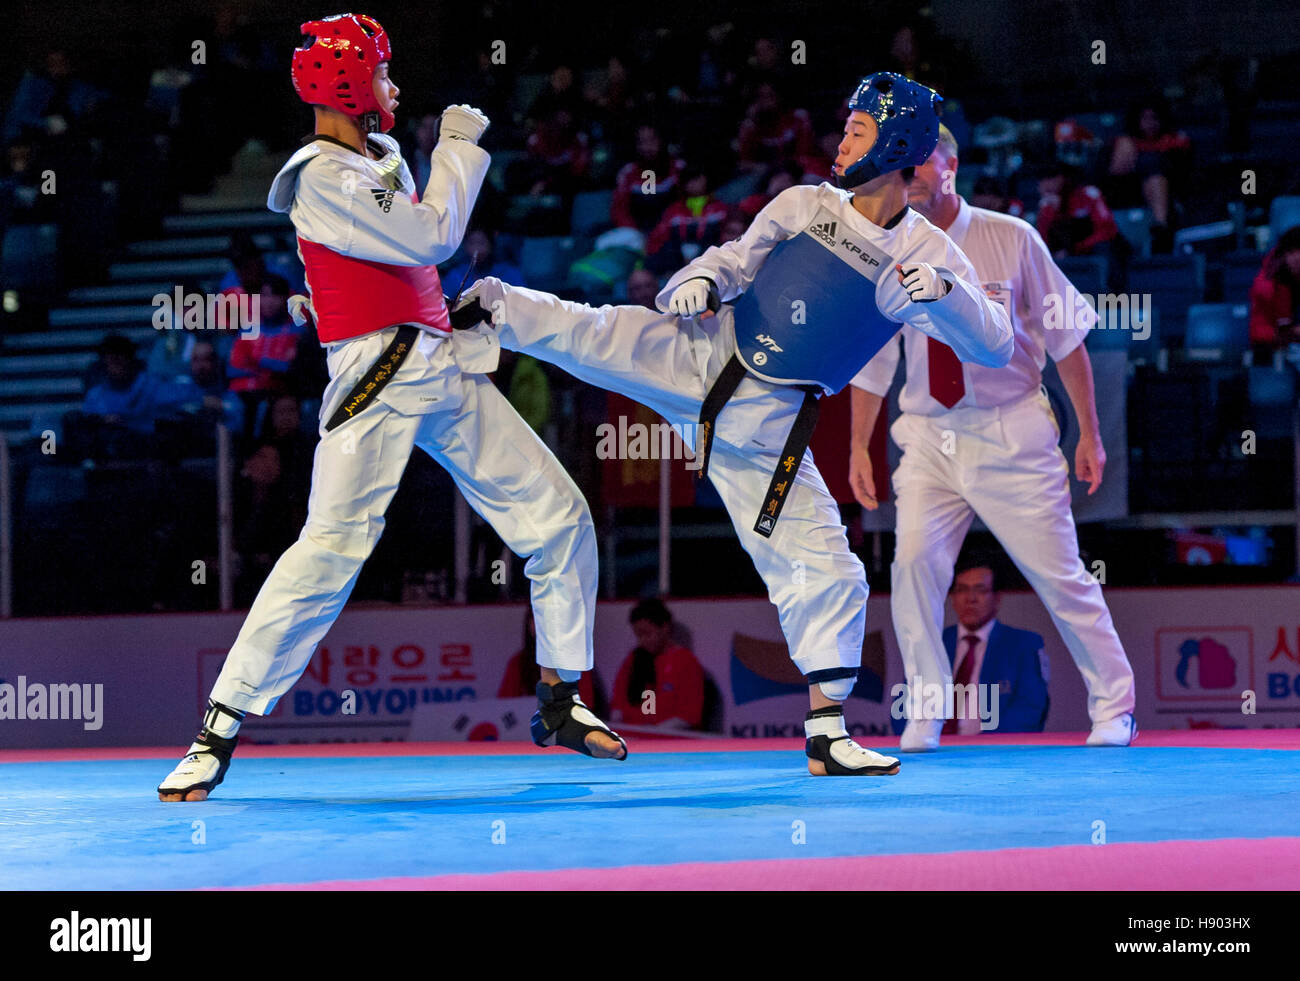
{"x": 791, "y": 454}
{"x": 379, "y": 375}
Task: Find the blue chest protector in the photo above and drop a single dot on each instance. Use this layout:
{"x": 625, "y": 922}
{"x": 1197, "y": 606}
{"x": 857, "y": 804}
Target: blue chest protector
{"x": 810, "y": 316}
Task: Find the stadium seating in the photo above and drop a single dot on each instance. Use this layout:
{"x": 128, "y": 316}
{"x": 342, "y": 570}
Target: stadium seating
{"x": 1239, "y": 270}
{"x": 591, "y": 212}
{"x": 1284, "y": 213}
{"x": 30, "y": 260}
{"x": 545, "y": 261}
{"x": 1217, "y": 332}
{"x": 1175, "y": 283}
{"x": 1272, "y": 401}
{"x": 736, "y": 190}
{"x": 1088, "y": 273}
{"x": 1135, "y": 225}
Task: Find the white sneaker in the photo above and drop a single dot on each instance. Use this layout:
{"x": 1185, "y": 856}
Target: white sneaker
{"x": 920, "y": 736}
{"x": 1119, "y": 731}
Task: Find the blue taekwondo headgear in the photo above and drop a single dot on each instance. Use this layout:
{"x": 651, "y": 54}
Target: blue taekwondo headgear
{"x": 907, "y": 118}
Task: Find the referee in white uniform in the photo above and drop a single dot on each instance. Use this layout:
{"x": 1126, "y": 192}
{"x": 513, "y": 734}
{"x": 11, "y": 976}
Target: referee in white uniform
{"x": 979, "y": 440}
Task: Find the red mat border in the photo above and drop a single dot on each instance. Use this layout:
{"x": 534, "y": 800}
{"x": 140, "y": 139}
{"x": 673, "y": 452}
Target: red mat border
{"x": 1254, "y": 864}
{"x": 1286, "y": 739}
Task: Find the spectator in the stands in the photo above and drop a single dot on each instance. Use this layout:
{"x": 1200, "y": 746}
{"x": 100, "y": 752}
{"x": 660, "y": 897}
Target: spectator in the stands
{"x": 817, "y": 164}
{"x": 765, "y": 66}
{"x": 559, "y": 95}
{"x": 522, "y": 673}
{"x": 779, "y": 177}
{"x": 1147, "y": 160}
{"x": 275, "y": 488}
{"x": 713, "y": 71}
{"x": 905, "y": 54}
{"x": 421, "y": 159}
{"x": 635, "y": 205}
{"x": 261, "y": 360}
{"x": 247, "y": 266}
{"x": 1073, "y": 217}
{"x": 613, "y": 103}
{"x": 990, "y": 193}
{"x": 309, "y": 373}
{"x": 771, "y": 132}
{"x": 21, "y": 200}
{"x": 642, "y": 288}
{"x": 660, "y": 683}
{"x": 734, "y": 225}
{"x": 481, "y": 250}
{"x": 1275, "y": 298}
{"x": 689, "y": 226}
{"x": 202, "y": 393}
{"x": 51, "y": 100}
{"x": 486, "y": 88}
{"x": 127, "y": 396}
{"x": 559, "y": 154}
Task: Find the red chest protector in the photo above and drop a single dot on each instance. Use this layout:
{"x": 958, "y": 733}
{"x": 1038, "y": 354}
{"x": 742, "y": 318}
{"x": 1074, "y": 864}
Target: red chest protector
{"x": 352, "y": 297}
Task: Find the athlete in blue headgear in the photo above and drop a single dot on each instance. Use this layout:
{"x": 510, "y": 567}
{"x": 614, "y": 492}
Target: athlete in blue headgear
{"x": 822, "y": 279}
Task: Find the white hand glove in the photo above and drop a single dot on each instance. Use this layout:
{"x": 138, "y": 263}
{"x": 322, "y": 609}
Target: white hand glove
{"x": 463, "y": 123}
{"x": 300, "y": 308}
{"x": 922, "y": 282}
{"x": 691, "y": 298}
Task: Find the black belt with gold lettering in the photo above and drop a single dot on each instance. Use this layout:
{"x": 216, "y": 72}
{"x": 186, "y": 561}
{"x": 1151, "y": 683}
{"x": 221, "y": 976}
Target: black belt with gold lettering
{"x": 379, "y": 375}
{"x": 791, "y": 454}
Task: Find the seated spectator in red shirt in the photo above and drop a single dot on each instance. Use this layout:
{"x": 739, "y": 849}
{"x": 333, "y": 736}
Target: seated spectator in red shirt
{"x": 660, "y": 683}
{"x": 771, "y": 132}
{"x": 559, "y": 155}
{"x": 633, "y": 207}
{"x": 778, "y": 179}
{"x": 1275, "y": 298}
{"x": 688, "y": 227}
{"x": 1145, "y": 159}
{"x": 1072, "y": 216}
{"x": 257, "y": 364}
{"x": 817, "y": 165}
{"x": 523, "y": 674}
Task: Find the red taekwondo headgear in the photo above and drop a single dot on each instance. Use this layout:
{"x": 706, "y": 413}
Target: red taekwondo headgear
{"x": 335, "y": 67}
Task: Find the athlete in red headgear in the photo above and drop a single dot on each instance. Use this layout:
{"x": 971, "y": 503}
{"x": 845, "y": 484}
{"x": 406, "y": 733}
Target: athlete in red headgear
{"x": 399, "y": 378}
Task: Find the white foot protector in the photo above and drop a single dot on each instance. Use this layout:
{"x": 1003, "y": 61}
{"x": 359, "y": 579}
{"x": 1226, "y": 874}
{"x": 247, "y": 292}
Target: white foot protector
{"x": 197, "y": 771}
{"x": 1119, "y": 731}
{"x": 829, "y": 744}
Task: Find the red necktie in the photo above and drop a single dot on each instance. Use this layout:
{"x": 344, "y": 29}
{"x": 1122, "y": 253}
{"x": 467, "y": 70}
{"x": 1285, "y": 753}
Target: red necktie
{"x": 946, "y": 383}
{"x": 964, "y": 672}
